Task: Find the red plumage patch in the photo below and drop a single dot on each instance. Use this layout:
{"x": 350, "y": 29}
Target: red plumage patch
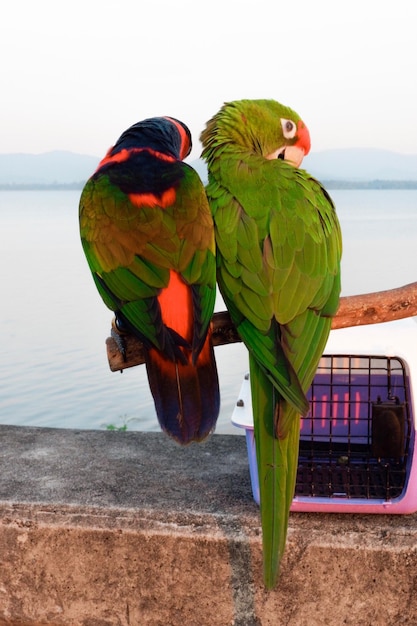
{"x": 185, "y": 141}
{"x": 124, "y": 154}
{"x": 149, "y": 199}
{"x": 176, "y": 306}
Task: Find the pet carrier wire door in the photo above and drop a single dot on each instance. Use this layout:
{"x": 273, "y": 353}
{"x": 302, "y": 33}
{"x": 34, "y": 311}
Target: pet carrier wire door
{"x": 357, "y": 443}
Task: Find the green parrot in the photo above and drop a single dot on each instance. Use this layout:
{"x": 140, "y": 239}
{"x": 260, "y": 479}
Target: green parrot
{"x": 278, "y": 269}
{"x": 148, "y": 237}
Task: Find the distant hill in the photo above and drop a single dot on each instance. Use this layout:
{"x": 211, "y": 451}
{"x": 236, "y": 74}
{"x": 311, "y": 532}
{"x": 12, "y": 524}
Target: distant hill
{"x": 345, "y": 168}
{"x": 356, "y": 165}
{"x": 59, "y": 167}
{"x": 361, "y": 164}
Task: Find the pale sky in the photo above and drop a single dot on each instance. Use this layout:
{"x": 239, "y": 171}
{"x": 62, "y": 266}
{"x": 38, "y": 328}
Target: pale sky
{"x": 74, "y": 75}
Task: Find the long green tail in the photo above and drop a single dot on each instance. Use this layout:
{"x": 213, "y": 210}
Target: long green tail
{"x": 277, "y": 468}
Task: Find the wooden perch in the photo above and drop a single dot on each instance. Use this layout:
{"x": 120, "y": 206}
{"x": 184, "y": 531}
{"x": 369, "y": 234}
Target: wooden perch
{"x": 370, "y": 308}
{"x": 377, "y": 307}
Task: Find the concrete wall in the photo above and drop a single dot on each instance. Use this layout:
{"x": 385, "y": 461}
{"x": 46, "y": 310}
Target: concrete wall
{"x": 107, "y": 528}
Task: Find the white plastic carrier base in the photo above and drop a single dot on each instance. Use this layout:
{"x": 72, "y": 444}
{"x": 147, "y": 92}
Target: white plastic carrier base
{"x": 357, "y": 444}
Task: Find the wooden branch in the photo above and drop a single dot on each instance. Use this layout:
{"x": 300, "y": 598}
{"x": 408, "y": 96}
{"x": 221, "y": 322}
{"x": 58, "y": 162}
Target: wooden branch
{"x": 377, "y": 307}
{"x": 370, "y": 308}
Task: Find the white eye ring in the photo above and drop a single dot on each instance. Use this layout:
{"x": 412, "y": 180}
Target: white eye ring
{"x": 289, "y": 128}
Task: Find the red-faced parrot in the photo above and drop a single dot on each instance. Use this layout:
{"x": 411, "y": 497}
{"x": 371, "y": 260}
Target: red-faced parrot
{"x": 148, "y": 236}
{"x": 278, "y": 268}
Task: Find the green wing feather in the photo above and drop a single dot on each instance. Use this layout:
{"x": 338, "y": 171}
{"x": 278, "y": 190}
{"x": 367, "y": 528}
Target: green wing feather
{"x": 130, "y": 252}
{"x": 282, "y": 269}
{"x": 279, "y": 248}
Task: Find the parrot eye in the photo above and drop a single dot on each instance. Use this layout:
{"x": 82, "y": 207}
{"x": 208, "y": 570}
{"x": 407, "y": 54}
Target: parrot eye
{"x": 288, "y": 128}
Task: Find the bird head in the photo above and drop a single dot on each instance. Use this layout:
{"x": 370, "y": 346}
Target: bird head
{"x": 164, "y": 134}
{"x": 264, "y": 127}
{"x": 292, "y": 152}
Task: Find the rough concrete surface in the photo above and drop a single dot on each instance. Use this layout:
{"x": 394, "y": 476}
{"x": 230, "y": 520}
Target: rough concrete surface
{"x": 107, "y": 529}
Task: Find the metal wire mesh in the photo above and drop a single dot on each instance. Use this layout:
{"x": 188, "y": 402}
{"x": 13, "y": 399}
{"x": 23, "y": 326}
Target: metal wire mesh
{"x": 355, "y": 442}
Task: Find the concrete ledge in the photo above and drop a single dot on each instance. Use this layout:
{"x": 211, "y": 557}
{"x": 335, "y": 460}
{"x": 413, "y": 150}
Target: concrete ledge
{"x": 106, "y": 528}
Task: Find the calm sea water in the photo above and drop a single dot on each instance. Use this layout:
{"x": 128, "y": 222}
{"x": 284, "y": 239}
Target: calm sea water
{"x": 54, "y": 369}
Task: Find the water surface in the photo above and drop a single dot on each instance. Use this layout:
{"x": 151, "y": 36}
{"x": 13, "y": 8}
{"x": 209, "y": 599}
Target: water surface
{"x": 54, "y": 370}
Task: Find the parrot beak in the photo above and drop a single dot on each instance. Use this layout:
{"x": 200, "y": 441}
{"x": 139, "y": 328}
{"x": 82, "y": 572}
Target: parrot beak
{"x": 292, "y": 154}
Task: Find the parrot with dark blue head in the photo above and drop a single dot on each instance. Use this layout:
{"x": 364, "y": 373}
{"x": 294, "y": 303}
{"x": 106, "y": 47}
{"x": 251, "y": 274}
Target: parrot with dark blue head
{"x": 278, "y": 255}
{"x": 148, "y": 237}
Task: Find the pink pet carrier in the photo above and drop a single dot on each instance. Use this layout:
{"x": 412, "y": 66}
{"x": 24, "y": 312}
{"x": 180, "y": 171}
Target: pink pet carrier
{"x": 357, "y": 445}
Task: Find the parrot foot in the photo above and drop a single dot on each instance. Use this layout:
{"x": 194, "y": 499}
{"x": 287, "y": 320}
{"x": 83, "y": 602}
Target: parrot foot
{"x": 117, "y": 333}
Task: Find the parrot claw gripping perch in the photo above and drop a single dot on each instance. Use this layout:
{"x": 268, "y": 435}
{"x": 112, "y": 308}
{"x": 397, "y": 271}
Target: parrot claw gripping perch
{"x": 117, "y": 333}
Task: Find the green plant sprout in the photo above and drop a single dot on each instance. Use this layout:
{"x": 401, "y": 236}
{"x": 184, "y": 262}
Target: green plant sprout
{"x": 123, "y": 427}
